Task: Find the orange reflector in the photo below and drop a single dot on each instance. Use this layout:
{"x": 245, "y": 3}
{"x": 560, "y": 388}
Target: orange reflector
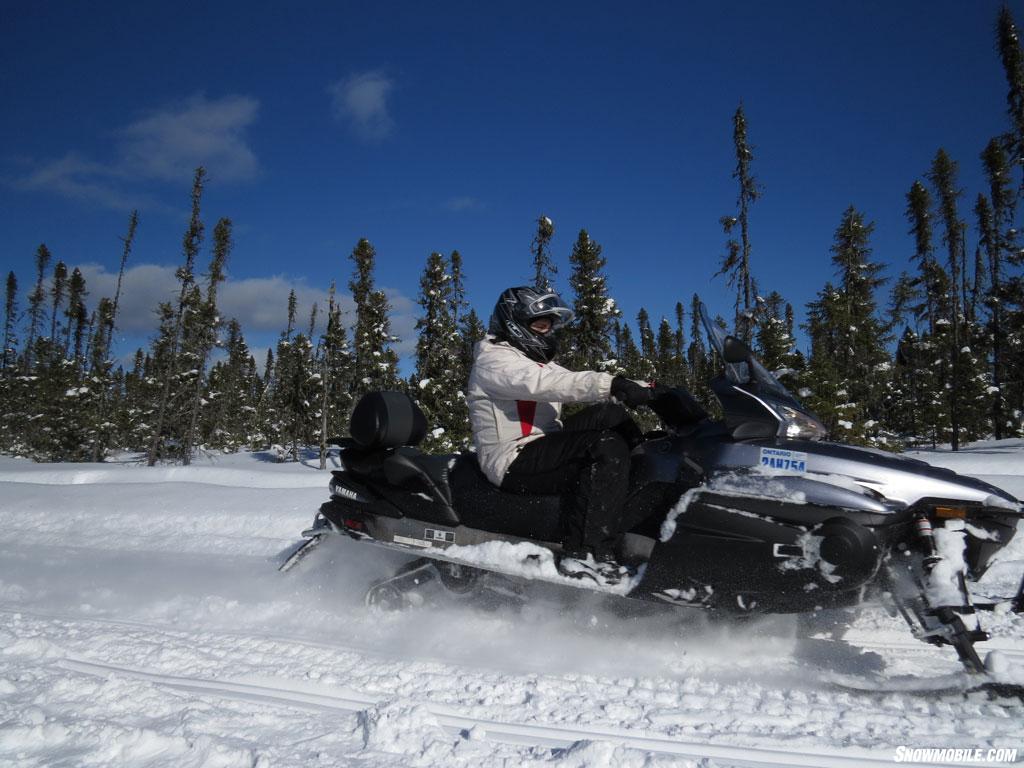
{"x": 948, "y": 513}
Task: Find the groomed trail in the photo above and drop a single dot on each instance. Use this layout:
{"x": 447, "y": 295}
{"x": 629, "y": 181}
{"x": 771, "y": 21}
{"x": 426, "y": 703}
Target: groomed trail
{"x": 143, "y": 623}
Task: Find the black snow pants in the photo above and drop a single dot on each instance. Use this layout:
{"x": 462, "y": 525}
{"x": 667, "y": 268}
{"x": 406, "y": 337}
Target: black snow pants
{"x": 587, "y": 463}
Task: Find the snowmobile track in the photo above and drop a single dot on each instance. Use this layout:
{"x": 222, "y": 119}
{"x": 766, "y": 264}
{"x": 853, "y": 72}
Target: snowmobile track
{"x": 277, "y": 693}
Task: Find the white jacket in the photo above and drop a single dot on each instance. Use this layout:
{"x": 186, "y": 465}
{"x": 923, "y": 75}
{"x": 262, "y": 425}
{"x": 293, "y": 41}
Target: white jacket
{"x": 514, "y": 400}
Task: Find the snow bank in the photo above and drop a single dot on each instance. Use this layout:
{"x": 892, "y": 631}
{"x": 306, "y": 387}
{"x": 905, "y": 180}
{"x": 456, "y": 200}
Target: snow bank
{"x": 163, "y": 583}
{"x": 293, "y": 476}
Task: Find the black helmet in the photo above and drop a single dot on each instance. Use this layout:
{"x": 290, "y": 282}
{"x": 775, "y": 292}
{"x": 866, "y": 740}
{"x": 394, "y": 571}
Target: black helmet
{"x": 517, "y": 308}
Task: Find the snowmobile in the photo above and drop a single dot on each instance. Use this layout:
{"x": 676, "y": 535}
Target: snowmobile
{"x": 751, "y": 513}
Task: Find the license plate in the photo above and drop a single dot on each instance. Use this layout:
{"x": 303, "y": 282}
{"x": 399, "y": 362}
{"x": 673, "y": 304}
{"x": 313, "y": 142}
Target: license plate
{"x": 787, "y": 461}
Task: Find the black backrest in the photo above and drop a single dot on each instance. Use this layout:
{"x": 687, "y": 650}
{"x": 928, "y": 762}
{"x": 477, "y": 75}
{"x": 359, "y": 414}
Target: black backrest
{"x": 387, "y": 420}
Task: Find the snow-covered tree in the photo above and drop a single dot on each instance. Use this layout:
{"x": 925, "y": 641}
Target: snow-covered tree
{"x": 998, "y": 239}
{"x": 849, "y": 367}
{"x": 374, "y": 364}
{"x": 232, "y": 392}
{"x": 174, "y": 378}
{"x": 588, "y": 341}
{"x": 966, "y": 382}
{"x": 201, "y": 334}
{"x": 36, "y": 309}
{"x": 335, "y": 360}
{"x": 10, "y": 350}
{"x": 438, "y": 381}
{"x": 774, "y": 334}
{"x": 1012, "y": 56}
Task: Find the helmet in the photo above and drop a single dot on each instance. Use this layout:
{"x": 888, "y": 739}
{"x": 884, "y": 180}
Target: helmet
{"x": 517, "y": 308}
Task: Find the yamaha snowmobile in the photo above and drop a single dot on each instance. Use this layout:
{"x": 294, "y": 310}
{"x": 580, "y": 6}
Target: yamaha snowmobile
{"x": 752, "y": 513}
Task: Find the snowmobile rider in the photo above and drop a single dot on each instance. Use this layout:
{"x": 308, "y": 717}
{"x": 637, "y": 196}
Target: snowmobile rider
{"x": 515, "y": 398}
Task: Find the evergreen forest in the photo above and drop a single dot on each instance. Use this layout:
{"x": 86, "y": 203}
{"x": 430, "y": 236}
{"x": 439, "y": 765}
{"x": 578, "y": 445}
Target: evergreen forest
{"x": 933, "y": 356}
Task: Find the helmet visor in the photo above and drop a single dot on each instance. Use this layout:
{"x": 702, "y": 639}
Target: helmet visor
{"x": 551, "y": 305}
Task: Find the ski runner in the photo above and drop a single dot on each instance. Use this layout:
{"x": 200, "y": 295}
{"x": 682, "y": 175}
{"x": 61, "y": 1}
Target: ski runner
{"x": 515, "y": 397}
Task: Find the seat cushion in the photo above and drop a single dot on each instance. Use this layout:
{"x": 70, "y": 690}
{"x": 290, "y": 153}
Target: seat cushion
{"x": 482, "y": 505}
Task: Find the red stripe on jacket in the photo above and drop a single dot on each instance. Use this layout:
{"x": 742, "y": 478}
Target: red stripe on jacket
{"x": 527, "y": 412}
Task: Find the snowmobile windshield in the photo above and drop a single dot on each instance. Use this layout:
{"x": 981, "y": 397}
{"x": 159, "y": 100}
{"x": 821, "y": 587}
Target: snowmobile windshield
{"x": 750, "y": 372}
{"x": 794, "y": 421}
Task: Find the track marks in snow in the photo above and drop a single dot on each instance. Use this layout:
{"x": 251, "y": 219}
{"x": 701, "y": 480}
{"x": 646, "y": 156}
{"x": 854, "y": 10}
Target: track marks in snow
{"x": 220, "y": 677}
{"x": 280, "y": 693}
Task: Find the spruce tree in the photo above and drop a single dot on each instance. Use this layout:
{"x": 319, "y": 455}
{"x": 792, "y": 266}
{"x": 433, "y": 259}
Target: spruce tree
{"x": 849, "y": 365}
{"x": 966, "y": 385}
{"x": 589, "y": 342}
{"x": 10, "y": 351}
{"x": 459, "y": 305}
{"x": 933, "y": 282}
{"x": 335, "y": 372}
{"x": 998, "y": 238}
{"x": 631, "y": 361}
{"x": 232, "y": 392}
{"x": 471, "y": 333}
{"x": 697, "y": 360}
{"x": 774, "y": 335}
{"x": 75, "y": 310}
{"x": 202, "y": 331}
{"x": 666, "y": 364}
{"x": 470, "y": 329}
{"x": 438, "y": 378}
{"x": 266, "y": 415}
{"x": 58, "y": 290}
{"x": 1012, "y": 57}
{"x": 170, "y": 375}
{"x": 736, "y": 262}
{"x": 35, "y": 306}
{"x": 128, "y": 239}
{"x": 679, "y": 348}
{"x": 374, "y": 364}
{"x": 544, "y": 269}
{"x": 648, "y": 346}
{"x": 294, "y": 387}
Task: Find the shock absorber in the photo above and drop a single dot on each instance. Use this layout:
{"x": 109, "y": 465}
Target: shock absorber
{"x": 923, "y": 526}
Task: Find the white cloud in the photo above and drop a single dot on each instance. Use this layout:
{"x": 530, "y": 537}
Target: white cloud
{"x": 165, "y": 145}
{"x": 464, "y": 203}
{"x": 260, "y": 304}
{"x": 144, "y": 287}
{"x": 78, "y": 178}
{"x": 170, "y": 143}
{"x": 362, "y": 101}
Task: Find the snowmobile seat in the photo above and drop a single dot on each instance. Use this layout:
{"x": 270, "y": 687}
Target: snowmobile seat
{"x": 482, "y": 505}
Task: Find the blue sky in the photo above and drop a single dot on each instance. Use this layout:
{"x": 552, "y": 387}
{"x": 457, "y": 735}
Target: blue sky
{"x": 432, "y": 127}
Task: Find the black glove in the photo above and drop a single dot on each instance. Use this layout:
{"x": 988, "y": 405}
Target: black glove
{"x": 628, "y": 392}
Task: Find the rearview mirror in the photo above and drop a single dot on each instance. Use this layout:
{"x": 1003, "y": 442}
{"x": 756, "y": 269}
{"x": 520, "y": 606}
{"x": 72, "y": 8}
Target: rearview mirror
{"x": 735, "y": 351}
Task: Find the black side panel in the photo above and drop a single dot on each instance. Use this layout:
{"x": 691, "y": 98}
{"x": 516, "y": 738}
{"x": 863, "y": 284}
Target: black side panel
{"x": 481, "y": 505}
{"x": 417, "y": 505}
{"x": 747, "y": 559}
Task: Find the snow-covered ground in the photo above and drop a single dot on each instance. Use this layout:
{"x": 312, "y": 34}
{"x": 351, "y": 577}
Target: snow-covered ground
{"x": 143, "y": 623}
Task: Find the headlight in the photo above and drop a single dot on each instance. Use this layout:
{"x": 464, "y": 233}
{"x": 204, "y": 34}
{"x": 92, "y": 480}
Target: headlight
{"x": 797, "y": 424}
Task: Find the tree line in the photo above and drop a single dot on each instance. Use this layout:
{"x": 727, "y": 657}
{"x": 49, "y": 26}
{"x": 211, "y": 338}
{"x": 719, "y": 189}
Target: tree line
{"x": 935, "y": 357}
